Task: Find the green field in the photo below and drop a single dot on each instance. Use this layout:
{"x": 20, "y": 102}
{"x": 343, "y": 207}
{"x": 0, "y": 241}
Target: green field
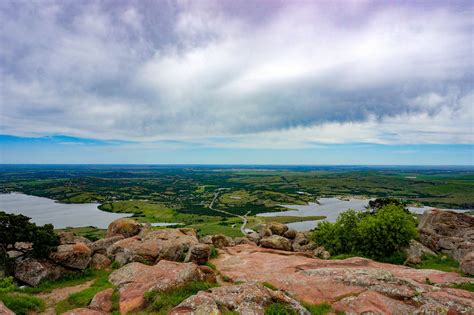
{"x": 183, "y": 194}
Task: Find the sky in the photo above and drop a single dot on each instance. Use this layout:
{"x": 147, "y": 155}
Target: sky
{"x": 230, "y": 82}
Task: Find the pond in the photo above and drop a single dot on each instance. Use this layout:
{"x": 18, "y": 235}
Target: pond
{"x": 44, "y": 210}
{"x": 329, "y": 207}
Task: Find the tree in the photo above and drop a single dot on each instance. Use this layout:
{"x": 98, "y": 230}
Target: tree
{"x": 375, "y": 235}
{"x": 18, "y": 228}
{"x": 379, "y": 203}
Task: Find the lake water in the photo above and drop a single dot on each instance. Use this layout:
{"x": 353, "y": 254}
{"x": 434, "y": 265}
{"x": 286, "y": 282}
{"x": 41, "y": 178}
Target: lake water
{"x": 329, "y": 207}
{"x": 61, "y": 215}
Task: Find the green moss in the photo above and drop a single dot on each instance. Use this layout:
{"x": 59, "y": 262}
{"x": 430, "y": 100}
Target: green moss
{"x": 270, "y": 286}
{"x": 214, "y": 253}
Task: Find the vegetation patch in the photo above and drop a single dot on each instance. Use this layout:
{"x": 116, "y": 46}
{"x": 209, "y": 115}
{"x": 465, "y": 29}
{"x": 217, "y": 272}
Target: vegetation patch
{"x": 375, "y": 235}
{"x": 440, "y": 262}
{"x": 19, "y": 303}
{"x": 83, "y": 298}
{"x": 162, "y": 302}
{"x": 318, "y": 309}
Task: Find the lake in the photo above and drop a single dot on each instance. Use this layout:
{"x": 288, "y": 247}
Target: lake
{"x": 329, "y": 207}
{"x": 61, "y": 215}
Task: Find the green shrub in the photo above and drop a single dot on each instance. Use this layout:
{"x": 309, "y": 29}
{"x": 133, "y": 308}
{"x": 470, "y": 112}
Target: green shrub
{"x": 379, "y": 235}
{"x": 214, "y": 253}
{"x": 22, "y": 304}
{"x": 318, "y": 309}
{"x": 6, "y": 285}
{"x": 279, "y": 309}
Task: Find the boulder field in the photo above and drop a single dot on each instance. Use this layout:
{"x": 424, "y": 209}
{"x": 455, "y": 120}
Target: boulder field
{"x": 295, "y": 267}
{"x": 354, "y": 285}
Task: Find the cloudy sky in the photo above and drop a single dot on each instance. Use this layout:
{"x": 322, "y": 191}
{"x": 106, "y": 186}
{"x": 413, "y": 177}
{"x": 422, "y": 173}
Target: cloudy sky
{"x": 284, "y": 82}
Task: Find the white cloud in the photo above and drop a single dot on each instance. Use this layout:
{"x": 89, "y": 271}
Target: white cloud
{"x": 299, "y": 77}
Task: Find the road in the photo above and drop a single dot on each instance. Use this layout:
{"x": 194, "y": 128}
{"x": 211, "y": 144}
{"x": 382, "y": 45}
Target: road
{"x": 243, "y": 218}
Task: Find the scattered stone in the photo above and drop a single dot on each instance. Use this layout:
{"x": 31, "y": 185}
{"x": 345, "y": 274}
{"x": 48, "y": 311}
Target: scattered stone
{"x": 70, "y": 238}
{"x": 100, "y": 261}
{"x": 321, "y": 252}
{"x": 100, "y": 246}
{"x": 135, "y": 279}
{"x": 242, "y": 240}
{"x": 125, "y": 227}
{"x": 276, "y": 242}
{"x": 198, "y": 253}
{"x": 467, "y": 264}
{"x": 14, "y": 254}
{"x": 32, "y": 271}
{"x": 102, "y": 301}
{"x": 447, "y": 231}
{"x": 169, "y": 244}
{"x": 290, "y": 234}
{"x": 218, "y": 240}
{"x": 264, "y": 232}
{"x": 5, "y": 310}
{"x": 254, "y": 237}
{"x": 303, "y": 243}
{"x": 76, "y": 255}
{"x": 415, "y": 252}
{"x": 243, "y": 299}
{"x": 354, "y": 285}
{"x": 277, "y": 228}
{"x": 23, "y": 246}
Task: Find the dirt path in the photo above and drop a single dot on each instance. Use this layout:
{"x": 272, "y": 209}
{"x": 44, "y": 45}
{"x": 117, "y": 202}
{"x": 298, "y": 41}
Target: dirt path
{"x": 59, "y": 294}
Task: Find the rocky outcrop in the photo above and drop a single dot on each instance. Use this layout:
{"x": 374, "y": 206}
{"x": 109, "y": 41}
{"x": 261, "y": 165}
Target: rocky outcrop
{"x": 100, "y": 246}
{"x": 71, "y": 238}
{"x": 5, "y": 310}
{"x": 134, "y": 279}
{"x": 218, "y": 240}
{"x": 102, "y": 301}
{"x": 467, "y": 264}
{"x": 277, "y": 228}
{"x": 276, "y": 242}
{"x": 169, "y": 244}
{"x": 198, "y": 253}
{"x": 415, "y": 252}
{"x": 243, "y": 299}
{"x": 76, "y": 255}
{"x": 321, "y": 252}
{"x": 100, "y": 261}
{"x": 448, "y": 232}
{"x": 33, "y": 271}
{"x": 125, "y": 227}
{"x": 354, "y": 285}
{"x": 243, "y": 240}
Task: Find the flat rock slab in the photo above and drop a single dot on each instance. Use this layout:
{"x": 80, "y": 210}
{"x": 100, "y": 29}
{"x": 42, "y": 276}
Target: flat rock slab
{"x": 352, "y": 285}
{"x": 134, "y": 279}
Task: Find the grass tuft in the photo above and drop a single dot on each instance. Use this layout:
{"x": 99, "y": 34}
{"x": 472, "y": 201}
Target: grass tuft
{"x": 163, "y": 302}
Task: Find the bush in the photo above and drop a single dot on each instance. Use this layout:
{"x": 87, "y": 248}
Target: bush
{"x": 6, "y": 285}
{"x": 376, "y": 235}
